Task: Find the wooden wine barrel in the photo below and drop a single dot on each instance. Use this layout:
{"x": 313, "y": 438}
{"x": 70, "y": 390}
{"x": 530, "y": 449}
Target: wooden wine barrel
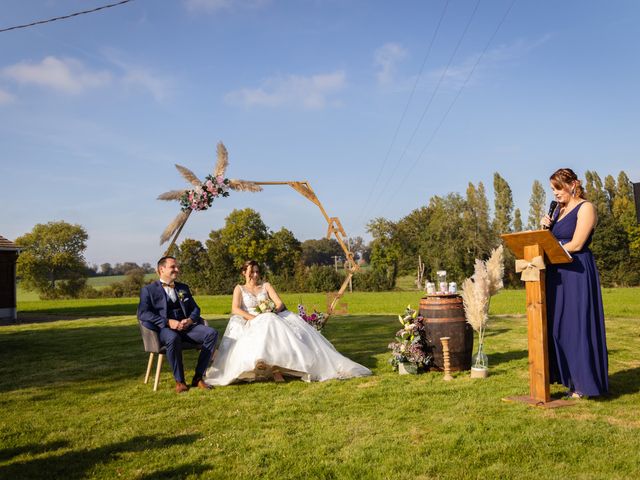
{"x": 444, "y": 317}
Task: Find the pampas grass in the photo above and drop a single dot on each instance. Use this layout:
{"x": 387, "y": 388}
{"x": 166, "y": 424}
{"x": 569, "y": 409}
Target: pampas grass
{"x": 189, "y": 176}
{"x": 244, "y": 185}
{"x": 174, "y": 226}
{"x": 223, "y": 161}
{"x": 477, "y": 291}
{"x": 495, "y": 270}
{"x": 171, "y": 195}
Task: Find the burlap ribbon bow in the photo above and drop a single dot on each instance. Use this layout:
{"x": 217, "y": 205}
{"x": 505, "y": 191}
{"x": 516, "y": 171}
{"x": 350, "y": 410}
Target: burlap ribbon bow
{"x": 530, "y": 270}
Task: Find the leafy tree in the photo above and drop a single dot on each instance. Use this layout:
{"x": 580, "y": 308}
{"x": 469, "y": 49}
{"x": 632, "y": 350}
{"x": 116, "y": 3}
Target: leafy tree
{"x": 194, "y": 264}
{"x": 517, "y": 220}
{"x": 129, "y": 287}
{"x": 222, "y": 274}
{"x": 124, "y": 268}
{"x": 624, "y": 213}
{"x": 357, "y": 247}
{"x": 320, "y": 252}
{"x": 502, "y": 205}
{"x": 537, "y": 206}
{"x": 610, "y": 190}
{"x": 479, "y": 238}
{"x": 610, "y": 248}
{"x": 443, "y": 244}
{"x": 246, "y": 236}
{"x": 92, "y": 270}
{"x": 51, "y": 252}
{"x": 596, "y": 194}
{"x": 622, "y": 205}
{"x": 147, "y": 267}
{"x": 106, "y": 269}
{"x": 385, "y": 249}
{"x": 284, "y": 252}
{"x": 323, "y": 278}
{"x": 409, "y": 233}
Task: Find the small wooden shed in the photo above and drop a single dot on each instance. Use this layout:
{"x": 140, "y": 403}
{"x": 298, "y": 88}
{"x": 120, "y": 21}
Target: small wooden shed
{"x": 8, "y": 258}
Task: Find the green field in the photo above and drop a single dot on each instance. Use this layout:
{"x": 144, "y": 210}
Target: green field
{"x": 74, "y": 406}
{"x": 618, "y": 303}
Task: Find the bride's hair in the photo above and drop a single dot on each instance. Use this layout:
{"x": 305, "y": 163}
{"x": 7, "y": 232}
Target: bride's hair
{"x": 249, "y": 264}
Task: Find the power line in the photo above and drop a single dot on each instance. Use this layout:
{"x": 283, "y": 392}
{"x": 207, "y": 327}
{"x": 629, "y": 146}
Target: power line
{"x": 406, "y": 107}
{"x": 39, "y": 22}
{"x": 433, "y": 94}
{"x": 455, "y": 99}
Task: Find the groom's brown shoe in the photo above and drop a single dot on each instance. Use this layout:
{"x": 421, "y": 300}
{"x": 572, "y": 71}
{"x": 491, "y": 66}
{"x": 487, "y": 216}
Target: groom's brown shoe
{"x": 199, "y": 383}
{"x": 181, "y": 387}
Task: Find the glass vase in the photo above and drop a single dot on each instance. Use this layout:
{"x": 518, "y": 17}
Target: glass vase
{"x": 480, "y": 359}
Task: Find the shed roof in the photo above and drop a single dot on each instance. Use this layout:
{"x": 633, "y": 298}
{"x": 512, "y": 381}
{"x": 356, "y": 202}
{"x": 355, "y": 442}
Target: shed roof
{"x": 7, "y": 244}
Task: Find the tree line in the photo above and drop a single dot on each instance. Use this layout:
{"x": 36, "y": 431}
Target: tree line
{"x": 448, "y": 233}
{"x": 451, "y": 231}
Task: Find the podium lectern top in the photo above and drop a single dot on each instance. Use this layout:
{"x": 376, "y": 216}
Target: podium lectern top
{"x": 549, "y": 243}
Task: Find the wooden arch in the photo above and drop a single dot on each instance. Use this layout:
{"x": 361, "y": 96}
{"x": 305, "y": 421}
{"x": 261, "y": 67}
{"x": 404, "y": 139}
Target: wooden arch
{"x": 334, "y": 225}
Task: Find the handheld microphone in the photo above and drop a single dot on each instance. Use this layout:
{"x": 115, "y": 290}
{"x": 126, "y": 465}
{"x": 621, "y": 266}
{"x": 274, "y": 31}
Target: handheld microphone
{"x": 552, "y": 208}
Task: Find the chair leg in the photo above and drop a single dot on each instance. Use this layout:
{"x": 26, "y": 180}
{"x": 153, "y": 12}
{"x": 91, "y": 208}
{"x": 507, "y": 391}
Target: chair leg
{"x": 149, "y": 365}
{"x": 158, "y": 369}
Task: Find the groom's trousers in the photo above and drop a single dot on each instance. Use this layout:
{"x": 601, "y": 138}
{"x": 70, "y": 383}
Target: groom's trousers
{"x": 172, "y": 340}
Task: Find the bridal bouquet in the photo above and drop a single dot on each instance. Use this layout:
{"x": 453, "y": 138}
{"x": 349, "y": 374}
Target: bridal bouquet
{"x": 410, "y": 342}
{"x": 266, "y": 306}
{"x": 316, "y": 319}
{"x": 202, "y": 196}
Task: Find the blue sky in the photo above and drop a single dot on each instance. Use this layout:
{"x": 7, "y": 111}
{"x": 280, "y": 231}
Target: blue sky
{"x": 95, "y": 110}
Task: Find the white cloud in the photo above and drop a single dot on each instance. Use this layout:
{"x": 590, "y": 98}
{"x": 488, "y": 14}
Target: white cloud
{"x": 212, "y": 6}
{"x": 310, "y": 92}
{"x": 157, "y": 86}
{"x": 5, "y": 97}
{"x": 456, "y": 75}
{"x": 140, "y": 77}
{"x": 386, "y": 59}
{"x": 66, "y": 75}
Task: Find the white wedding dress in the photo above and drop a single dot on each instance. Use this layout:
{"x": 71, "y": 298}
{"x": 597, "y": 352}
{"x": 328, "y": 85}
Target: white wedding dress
{"x": 282, "y": 341}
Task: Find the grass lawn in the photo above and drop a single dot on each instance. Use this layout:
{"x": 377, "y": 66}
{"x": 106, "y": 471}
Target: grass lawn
{"x": 618, "y": 302}
{"x": 74, "y": 406}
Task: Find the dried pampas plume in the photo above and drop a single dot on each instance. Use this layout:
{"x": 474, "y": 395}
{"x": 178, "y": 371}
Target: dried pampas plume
{"x": 189, "y": 176}
{"x": 475, "y": 296}
{"x": 175, "y": 226}
{"x": 477, "y": 290}
{"x": 244, "y": 185}
{"x": 171, "y": 195}
{"x": 223, "y": 161}
{"x": 495, "y": 270}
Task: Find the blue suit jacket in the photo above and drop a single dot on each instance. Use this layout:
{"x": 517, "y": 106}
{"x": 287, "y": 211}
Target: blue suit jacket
{"x": 152, "y": 309}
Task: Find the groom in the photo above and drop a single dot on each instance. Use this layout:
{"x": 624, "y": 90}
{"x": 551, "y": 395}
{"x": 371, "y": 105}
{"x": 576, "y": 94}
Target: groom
{"x": 169, "y": 308}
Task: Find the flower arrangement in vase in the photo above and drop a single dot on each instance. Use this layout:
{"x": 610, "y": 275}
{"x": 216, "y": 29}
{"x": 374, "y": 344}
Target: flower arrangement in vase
{"x": 476, "y": 295}
{"x": 408, "y": 351}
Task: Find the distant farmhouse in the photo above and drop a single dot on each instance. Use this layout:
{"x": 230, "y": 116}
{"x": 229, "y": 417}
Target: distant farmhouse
{"x": 8, "y": 258}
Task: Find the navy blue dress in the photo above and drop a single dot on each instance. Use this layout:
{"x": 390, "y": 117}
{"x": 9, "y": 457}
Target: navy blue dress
{"x": 575, "y": 318}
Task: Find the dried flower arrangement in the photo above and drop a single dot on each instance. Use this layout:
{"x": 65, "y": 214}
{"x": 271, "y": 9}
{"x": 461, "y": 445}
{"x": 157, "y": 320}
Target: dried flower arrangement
{"x": 476, "y": 295}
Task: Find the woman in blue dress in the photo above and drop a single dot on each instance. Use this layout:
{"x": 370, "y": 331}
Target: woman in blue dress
{"x": 575, "y": 317}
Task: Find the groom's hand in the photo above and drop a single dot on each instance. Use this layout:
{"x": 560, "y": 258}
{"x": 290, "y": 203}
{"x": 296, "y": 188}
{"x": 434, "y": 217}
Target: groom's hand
{"x": 186, "y": 324}
{"x": 173, "y": 324}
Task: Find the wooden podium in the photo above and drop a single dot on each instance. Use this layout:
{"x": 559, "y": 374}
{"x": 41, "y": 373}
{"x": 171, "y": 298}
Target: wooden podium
{"x": 527, "y": 246}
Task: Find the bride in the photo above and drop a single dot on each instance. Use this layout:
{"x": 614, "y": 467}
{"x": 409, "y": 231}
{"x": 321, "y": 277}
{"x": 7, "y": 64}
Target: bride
{"x": 259, "y": 346}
